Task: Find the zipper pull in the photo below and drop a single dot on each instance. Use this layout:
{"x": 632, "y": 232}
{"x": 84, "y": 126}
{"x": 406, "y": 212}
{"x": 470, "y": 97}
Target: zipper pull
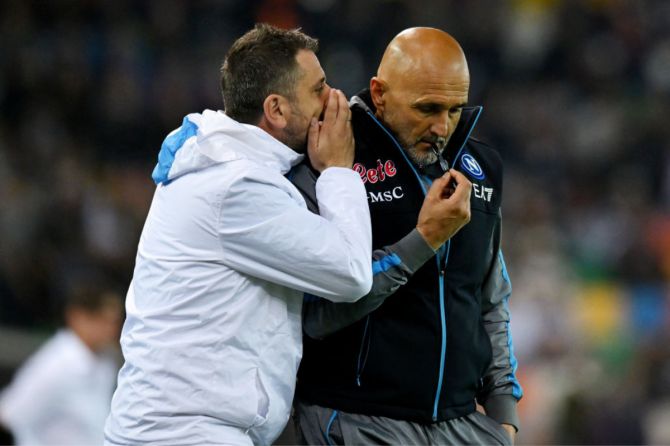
{"x": 443, "y": 163}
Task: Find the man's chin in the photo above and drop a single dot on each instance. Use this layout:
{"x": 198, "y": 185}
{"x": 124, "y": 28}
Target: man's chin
{"x": 295, "y": 141}
{"x": 421, "y": 158}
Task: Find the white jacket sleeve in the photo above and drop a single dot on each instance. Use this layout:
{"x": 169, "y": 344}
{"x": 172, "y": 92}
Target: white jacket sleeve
{"x": 266, "y": 231}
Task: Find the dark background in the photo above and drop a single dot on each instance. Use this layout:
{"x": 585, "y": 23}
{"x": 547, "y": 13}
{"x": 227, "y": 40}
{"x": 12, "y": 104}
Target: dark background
{"x": 576, "y": 98}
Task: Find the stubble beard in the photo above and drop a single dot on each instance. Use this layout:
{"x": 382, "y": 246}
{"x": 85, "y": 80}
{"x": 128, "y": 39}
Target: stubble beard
{"x": 295, "y": 138}
{"x": 423, "y": 158}
{"x": 295, "y": 133}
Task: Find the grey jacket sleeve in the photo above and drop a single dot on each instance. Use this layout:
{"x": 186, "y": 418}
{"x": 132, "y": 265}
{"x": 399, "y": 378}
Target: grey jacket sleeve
{"x": 392, "y": 266}
{"x": 500, "y": 388}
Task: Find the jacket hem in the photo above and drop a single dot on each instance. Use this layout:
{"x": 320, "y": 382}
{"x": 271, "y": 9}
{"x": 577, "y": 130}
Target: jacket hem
{"x": 424, "y": 416}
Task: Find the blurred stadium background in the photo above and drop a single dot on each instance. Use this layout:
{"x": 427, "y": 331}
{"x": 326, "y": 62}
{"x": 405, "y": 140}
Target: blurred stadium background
{"x": 576, "y": 97}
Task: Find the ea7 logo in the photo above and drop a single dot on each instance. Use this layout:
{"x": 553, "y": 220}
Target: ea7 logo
{"x": 485, "y": 193}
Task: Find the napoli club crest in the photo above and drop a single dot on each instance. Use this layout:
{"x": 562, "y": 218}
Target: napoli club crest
{"x": 471, "y": 166}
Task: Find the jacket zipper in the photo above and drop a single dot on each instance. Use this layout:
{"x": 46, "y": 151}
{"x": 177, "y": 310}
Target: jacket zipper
{"x": 442, "y": 270}
{"x": 440, "y": 267}
{"x": 444, "y": 164}
{"x": 365, "y": 347}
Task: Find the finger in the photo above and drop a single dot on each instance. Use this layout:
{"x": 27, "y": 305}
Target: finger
{"x": 448, "y": 175}
{"x": 460, "y": 178}
{"x": 347, "y": 114}
{"x": 438, "y": 186}
{"x": 463, "y": 187}
{"x": 331, "y": 107}
{"x": 342, "y": 106}
{"x": 313, "y": 134}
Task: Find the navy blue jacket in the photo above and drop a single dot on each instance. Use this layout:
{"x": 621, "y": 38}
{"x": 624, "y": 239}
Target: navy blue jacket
{"x": 426, "y": 347}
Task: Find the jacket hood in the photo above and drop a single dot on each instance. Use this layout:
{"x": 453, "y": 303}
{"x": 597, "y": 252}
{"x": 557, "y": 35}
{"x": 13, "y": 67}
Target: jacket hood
{"x": 210, "y": 138}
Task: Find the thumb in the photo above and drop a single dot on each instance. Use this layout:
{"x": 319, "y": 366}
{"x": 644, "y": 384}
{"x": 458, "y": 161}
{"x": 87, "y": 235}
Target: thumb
{"x": 463, "y": 187}
{"x": 438, "y": 186}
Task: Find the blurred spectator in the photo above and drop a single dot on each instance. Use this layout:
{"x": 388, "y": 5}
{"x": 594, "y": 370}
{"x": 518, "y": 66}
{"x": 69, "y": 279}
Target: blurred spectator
{"x": 61, "y": 395}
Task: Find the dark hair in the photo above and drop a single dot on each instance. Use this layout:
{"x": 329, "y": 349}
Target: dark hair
{"x": 92, "y": 297}
{"x": 260, "y": 63}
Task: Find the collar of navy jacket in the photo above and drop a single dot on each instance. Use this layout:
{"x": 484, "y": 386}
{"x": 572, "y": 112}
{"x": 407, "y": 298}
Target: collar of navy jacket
{"x": 376, "y": 162}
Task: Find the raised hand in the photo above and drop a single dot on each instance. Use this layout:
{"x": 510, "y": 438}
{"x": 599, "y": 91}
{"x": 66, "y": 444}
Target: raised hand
{"x": 446, "y": 208}
{"x": 330, "y": 143}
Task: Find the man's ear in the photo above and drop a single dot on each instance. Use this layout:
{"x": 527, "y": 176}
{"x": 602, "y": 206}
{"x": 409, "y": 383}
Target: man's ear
{"x": 276, "y": 111}
{"x": 377, "y": 89}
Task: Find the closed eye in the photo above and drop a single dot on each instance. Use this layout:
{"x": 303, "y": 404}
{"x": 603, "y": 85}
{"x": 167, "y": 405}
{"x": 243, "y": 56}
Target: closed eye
{"x": 320, "y": 86}
{"x": 429, "y": 109}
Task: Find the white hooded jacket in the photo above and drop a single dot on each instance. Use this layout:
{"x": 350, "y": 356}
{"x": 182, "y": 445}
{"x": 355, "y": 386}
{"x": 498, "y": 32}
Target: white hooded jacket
{"x": 212, "y": 338}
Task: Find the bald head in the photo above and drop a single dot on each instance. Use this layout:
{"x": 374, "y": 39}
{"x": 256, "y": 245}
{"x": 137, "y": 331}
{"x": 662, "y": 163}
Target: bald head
{"x": 420, "y": 90}
{"x": 423, "y": 50}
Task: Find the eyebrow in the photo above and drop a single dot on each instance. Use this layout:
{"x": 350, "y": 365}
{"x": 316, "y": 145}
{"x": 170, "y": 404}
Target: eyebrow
{"x": 431, "y": 103}
{"x": 319, "y": 82}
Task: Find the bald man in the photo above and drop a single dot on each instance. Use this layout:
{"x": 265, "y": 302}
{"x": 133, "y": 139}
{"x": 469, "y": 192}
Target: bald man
{"x": 408, "y": 363}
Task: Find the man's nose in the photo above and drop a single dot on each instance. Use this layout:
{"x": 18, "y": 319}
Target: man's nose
{"x": 440, "y": 125}
{"x": 325, "y": 93}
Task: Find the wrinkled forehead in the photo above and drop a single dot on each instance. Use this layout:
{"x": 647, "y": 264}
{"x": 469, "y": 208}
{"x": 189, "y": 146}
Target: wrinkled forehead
{"x": 433, "y": 80}
{"x": 309, "y": 67}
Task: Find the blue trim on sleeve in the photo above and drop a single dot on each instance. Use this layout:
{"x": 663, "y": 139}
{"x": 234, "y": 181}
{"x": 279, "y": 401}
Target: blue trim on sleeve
{"x": 169, "y": 149}
{"x": 517, "y": 391}
{"x": 330, "y": 424}
{"x": 505, "y": 274}
{"x": 385, "y": 263}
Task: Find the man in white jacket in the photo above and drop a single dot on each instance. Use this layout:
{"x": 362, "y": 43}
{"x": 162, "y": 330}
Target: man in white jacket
{"x": 61, "y": 394}
{"x": 212, "y": 338}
